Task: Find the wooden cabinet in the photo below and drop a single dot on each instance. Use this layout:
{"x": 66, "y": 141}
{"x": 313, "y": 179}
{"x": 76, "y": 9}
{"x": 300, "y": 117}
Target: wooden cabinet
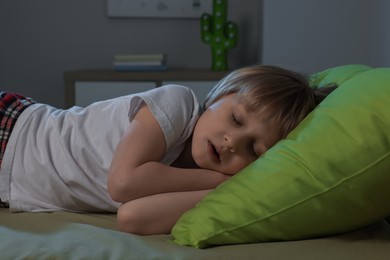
{"x": 83, "y": 87}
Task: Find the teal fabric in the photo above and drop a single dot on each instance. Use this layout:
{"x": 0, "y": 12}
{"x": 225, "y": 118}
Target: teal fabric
{"x": 330, "y": 175}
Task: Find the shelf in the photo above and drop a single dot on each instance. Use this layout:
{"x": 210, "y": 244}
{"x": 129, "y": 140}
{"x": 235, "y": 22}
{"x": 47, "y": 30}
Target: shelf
{"x": 71, "y": 77}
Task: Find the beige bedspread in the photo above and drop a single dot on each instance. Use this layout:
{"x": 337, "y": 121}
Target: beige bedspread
{"x": 64, "y": 235}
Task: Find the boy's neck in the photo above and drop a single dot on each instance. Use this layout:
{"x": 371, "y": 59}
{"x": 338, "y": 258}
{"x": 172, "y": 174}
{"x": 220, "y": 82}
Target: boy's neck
{"x": 185, "y": 159}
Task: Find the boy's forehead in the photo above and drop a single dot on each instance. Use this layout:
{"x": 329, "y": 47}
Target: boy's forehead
{"x": 251, "y": 105}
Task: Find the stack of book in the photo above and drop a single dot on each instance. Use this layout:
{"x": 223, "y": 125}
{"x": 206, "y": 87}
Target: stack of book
{"x": 140, "y": 62}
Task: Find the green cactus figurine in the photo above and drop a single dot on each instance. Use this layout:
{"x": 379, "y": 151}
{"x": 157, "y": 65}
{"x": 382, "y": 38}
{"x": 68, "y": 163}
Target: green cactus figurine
{"x": 219, "y": 33}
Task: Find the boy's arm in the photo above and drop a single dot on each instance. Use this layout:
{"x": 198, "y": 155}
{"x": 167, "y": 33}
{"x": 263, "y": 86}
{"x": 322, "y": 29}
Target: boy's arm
{"x": 156, "y": 214}
{"x": 135, "y": 169}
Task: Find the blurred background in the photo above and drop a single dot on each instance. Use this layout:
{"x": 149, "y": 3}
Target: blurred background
{"x": 42, "y": 39}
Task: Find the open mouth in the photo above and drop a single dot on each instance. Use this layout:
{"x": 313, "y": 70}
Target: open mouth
{"x": 215, "y": 156}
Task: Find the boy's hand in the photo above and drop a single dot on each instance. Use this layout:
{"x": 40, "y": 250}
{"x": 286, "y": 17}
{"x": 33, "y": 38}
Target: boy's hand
{"x": 156, "y": 214}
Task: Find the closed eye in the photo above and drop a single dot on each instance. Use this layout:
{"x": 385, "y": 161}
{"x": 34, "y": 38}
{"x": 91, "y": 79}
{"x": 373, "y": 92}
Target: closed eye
{"x": 235, "y": 120}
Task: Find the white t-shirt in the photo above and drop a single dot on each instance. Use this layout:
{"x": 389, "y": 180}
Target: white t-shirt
{"x": 59, "y": 159}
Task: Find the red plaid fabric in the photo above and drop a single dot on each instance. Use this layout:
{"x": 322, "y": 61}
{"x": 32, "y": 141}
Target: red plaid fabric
{"x": 11, "y": 106}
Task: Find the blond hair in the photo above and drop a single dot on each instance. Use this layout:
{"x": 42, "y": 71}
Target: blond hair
{"x": 284, "y": 95}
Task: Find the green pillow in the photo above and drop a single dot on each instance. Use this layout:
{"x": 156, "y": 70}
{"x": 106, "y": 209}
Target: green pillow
{"x": 330, "y": 175}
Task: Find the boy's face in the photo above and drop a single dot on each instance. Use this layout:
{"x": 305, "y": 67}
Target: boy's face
{"x": 228, "y": 137}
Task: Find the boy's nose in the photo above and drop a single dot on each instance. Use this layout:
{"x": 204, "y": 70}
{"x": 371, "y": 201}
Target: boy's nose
{"x": 231, "y": 143}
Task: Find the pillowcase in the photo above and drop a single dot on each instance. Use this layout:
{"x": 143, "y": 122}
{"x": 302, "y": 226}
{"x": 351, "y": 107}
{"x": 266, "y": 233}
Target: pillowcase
{"x": 330, "y": 175}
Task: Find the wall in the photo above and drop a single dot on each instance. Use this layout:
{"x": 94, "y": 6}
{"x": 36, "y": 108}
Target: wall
{"x": 380, "y": 40}
{"x": 41, "y": 39}
{"x": 311, "y": 35}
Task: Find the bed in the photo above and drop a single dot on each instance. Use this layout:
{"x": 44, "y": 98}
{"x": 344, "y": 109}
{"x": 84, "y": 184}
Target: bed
{"x": 322, "y": 193}
{"x": 65, "y": 235}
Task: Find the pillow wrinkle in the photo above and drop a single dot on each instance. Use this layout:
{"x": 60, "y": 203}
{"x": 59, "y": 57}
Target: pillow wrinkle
{"x": 320, "y": 192}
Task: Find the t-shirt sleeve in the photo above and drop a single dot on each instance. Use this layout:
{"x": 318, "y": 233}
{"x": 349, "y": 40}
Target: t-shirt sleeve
{"x": 175, "y": 108}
